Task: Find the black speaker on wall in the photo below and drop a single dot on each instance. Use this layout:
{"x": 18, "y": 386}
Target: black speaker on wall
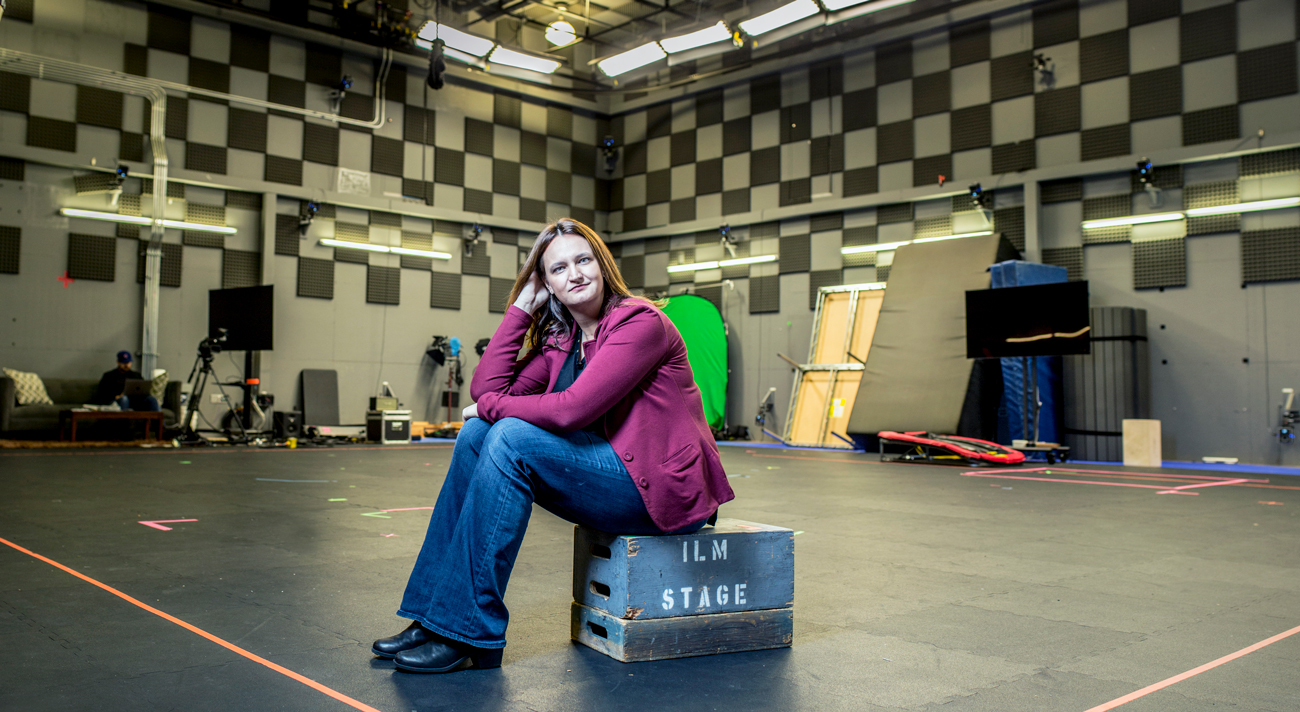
{"x": 287, "y": 424}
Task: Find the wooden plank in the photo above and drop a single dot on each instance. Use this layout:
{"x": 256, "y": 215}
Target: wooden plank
{"x": 1142, "y": 443}
{"x": 681, "y": 637}
{"x": 732, "y": 566}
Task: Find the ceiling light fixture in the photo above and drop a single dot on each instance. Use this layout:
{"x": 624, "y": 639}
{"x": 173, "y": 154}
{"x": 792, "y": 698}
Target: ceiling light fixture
{"x": 561, "y": 33}
{"x": 780, "y": 17}
{"x": 632, "y": 59}
{"x": 136, "y": 220}
{"x": 954, "y": 237}
{"x": 887, "y": 246}
{"x": 696, "y": 266}
{"x": 1245, "y": 207}
{"x": 834, "y": 5}
{"x": 511, "y": 58}
{"x": 700, "y": 38}
{"x": 455, "y": 39}
{"x": 329, "y": 242}
{"x": 1131, "y": 220}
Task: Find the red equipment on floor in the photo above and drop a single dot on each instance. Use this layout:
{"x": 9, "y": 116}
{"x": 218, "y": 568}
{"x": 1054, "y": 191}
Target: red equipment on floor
{"x": 920, "y": 446}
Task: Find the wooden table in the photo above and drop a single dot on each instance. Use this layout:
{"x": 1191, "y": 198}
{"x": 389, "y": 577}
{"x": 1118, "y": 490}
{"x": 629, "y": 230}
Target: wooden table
{"x": 148, "y": 416}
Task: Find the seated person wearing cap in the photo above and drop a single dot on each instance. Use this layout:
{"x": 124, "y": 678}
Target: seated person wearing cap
{"x": 112, "y": 387}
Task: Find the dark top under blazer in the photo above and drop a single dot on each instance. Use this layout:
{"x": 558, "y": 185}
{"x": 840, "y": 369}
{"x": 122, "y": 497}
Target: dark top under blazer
{"x": 638, "y": 376}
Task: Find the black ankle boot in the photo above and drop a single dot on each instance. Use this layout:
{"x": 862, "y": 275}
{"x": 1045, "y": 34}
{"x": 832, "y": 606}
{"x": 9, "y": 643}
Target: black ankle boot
{"x": 438, "y": 656}
{"x": 414, "y": 636}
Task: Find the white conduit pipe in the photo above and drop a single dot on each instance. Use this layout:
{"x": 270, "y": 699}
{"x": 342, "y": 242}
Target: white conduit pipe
{"x": 155, "y": 90}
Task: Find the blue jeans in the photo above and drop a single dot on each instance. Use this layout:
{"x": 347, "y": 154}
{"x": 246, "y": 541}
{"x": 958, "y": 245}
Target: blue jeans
{"x": 138, "y": 403}
{"x": 497, "y": 472}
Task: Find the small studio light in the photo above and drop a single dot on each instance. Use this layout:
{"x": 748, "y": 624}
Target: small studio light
{"x": 437, "y": 65}
{"x": 978, "y": 196}
{"x": 1146, "y": 172}
{"x": 306, "y": 216}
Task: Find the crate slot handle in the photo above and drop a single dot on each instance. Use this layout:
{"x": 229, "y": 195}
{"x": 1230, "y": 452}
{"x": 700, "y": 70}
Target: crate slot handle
{"x": 600, "y": 551}
{"x": 599, "y": 589}
{"x": 598, "y": 630}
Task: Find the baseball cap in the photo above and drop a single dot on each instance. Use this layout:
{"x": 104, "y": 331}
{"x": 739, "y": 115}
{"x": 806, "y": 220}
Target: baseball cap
{"x": 124, "y": 357}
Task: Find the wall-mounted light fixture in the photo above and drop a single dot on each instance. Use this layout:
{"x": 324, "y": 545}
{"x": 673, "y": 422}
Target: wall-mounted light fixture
{"x": 1251, "y": 207}
{"x": 695, "y": 266}
{"x": 134, "y": 220}
{"x": 887, "y": 246}
{"x": 329, "y": 242}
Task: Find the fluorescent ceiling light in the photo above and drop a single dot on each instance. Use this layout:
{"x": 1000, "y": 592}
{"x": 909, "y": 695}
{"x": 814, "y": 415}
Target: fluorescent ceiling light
{"x": 878, "y": 247}
{"x": 834, "y": 5}
{"x": 953, "y": 237}
{"x": 136, "y": 220}
{"x": 747, "y": 260}
{"x": 455, "y": 39}
{"x": 511, "y": 58}
{"x": 706, "y": 36}
{"x": 419, "y": 253}
{"x": 1132, "y": 220}
{"x": 631, "y": 59}
{"x": 328, "y": 242}
{"x": 1245, "y": 207}
{"x": 561, "y": 33}
{"x": 780, "y": 17}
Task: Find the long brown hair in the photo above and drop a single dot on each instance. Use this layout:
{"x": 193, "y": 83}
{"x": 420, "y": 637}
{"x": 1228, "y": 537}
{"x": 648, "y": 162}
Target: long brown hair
{"x": 554, "y": 320}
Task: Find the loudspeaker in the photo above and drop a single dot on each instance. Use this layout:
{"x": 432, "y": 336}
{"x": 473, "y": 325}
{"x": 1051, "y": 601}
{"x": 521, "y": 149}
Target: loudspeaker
{"x": 287, "y": 424}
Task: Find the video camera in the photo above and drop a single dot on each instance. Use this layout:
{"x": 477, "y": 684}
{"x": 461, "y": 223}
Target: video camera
{"x": 209, "y": 346}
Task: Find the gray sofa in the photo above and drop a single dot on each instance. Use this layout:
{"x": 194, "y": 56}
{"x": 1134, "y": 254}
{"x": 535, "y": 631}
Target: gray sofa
{"x": 42, "y": 421}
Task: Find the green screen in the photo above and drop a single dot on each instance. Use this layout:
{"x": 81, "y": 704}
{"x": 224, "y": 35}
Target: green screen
{"x": 701, "y": 328}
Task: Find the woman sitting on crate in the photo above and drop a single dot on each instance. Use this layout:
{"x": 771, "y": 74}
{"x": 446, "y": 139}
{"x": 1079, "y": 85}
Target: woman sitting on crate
{"x": 601, "y": 423}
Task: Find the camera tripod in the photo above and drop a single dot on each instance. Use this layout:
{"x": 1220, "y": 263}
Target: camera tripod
{"x": 199, "y": 379}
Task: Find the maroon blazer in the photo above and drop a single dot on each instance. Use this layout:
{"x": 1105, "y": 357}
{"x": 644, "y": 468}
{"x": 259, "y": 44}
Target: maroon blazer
{"x": 636, "y": 375}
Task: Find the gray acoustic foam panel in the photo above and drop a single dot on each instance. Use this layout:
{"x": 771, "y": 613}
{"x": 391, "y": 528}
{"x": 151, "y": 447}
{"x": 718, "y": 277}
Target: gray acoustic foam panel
{"x": 917, "y": 372}
{"x": 819, "y": 279}
{"x": 499, "y": 294}
{"x": 378, "y": 217}
{"x": 444, "y": 290}
{"x": 93, "y": 182}
{"x": 205, "y": 214}
{"x": 1211, "y": 224}
{"x": 286, "y": 235}
{"x": 315, "y": 278}
{"x": 1061, "y": 191}
{"x": 92, "y": 257}
{"x": 633, "y": 269}
{"x": 712, "y": 295}
{"x": 383, "y": 285}
{"x": 862, "y": 235}
{"x": 244, "y": 201}
{"x": 478, "y": 263}
{"x": 170, "y": 272}
{"x": 356, "y": 257}
{"x": 1221, "y": 123}
{"x": 1270, "y": 255}
{"x": 1105, "y": 235}
{"x": 128, "y": 204}
{"x": 1160, "y": 263}
{"x": 893, "y": 213}
{"x": 11, "y": 242}
{"x": 240, "y": 268}
{"x": 882, "y": 273}
{"x": 1107, "y": 206}
{"x": 1207, "y": 195}
{"x": 937, "y": 226}
{"x": 764, "y": 294}
{"x": 1269, "y": 163}
{"x": 1010, "y": 221}
{"x": 795, "y": 254}
{"x": 1071, "y": 258}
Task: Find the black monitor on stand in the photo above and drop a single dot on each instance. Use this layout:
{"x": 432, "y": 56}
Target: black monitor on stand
{"x": 246, "y": 316}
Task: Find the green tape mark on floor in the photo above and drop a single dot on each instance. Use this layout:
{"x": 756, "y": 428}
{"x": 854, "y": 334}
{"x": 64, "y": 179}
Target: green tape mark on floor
{"x": 339, "y": 499}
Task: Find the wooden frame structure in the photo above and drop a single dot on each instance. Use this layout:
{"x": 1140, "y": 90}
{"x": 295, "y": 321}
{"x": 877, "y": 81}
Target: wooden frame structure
{"x": 825, "y": 387}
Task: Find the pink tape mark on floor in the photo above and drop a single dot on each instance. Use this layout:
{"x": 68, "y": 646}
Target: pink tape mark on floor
{"x": 158, "y": 523}
{"x": 1193, "y": 672}
{"x": 1199, "y": 481}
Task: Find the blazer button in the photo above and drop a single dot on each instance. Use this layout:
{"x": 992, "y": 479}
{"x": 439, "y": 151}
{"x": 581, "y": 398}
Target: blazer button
{"x": 627, "y": 457}
{"x": 644, "y": 483}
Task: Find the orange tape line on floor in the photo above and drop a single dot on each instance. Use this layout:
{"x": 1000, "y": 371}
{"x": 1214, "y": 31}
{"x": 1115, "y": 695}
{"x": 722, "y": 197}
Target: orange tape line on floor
{"x": 199, "y": 631}
{"x": 1193, "y": 672}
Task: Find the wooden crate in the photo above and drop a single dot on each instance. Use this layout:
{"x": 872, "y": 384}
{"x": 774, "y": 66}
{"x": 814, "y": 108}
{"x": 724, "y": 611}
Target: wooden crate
{"x": 683, "y": 636}
{"x": 733, "y": 566}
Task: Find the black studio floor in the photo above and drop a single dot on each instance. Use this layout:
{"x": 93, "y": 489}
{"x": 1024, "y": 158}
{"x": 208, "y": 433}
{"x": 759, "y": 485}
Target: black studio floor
{"x": 917, "y": 588}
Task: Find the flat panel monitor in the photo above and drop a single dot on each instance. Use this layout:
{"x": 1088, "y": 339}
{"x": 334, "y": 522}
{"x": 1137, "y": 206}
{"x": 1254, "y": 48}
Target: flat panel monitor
{"x": 1038, "y": 320}
{"x": 246, "y": 313}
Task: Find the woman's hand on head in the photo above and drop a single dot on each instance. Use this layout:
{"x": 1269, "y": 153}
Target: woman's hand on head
{"x": 533, "y": 295}
{"x": 470, "y": 411}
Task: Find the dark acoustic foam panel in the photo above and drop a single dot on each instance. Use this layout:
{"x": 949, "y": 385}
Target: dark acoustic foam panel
{"x": 1156, "y": 93}
{"x": 449, "y": 166}
{"x": 937, "y": 226}
{"x": 858, "y": 110}
{"x": 823, "y": 222}
{"x": 1221, "y": 123}
{"x": 195, "y": 238}
{"x": 240, "y": 268}
{"x": 206, "y": 74}
{"x": 1103, "y": 56}
{"x": 862, "y": 235}
{"x": 205, "y": 214}
{"x": 356, "y": 257}
{"x": 765, "y": 166}
{"x": 1269, "y": 163}
{"x": 1144, "y": 11}
{"x": 168, "y": 29}
{"x": 659, "y": 120}
{"x": 681, "y": 210}
{"x": 635, "y": 218}
{"x": 826, "y": 154}
{"x": 320, "y": 143}
{"x": 1010, "y": 221}
{"x": 1270, "y": 255}
{"x": 894, "y": 62}
{"x": 532, "y": 149}
{"x": 1061, "y": 191}
{"x": 764, "y": 94}
{"x": 1107, "y": 235}
{"x": 795, "y": 254}
{"x": 1056, "y": 21}
{"x": 131, "y": 147}
{"x": 353, "y": 232}
{"x": 169, "y": 274}
{"x": 419, "y": 125}
{"x": 383, "y": 285}
{"x": 283, "y": 90}
{"x": 505, "y": 177}
{"x": 507, "y": 110}
{"x": 582, "y": 158}
{"x": 633, "y": 269}
{"x": 1104, "y": 142}
{"x": 99, "y": 107}
{"x": 1056, "y": 111}
{"x": 479, "y": 263}
{"x": 250, "y": 48}
{"x": 1212, "y": 224}
{"x": 1160, "y": 263}
{"x": 971, "y": 127}
{"x": 178, "y": 118}
{"x": 94, "y": 182}
{"x": 894, "y": 142}
{"x": 383, "y": 219}
{"x": 51, "y": 133}
{"x": 893, "y": 213}
{"x": 1266, "y": 72}
{"x": 931, "y": 94}
{"x": 819, "y": 279}
{"x": 1011, "y": 76}
{"x": 128, "y": 232}
{"x": 92, "y": 257}
{"x": 762, "y": 230}
{"x": 559, "y": 122}
{"x": 1071, "y": 258}
{"x": 796, "y": 192}
{"x": 283, "y": 170}
{"x": 135, "y": 58}
{"x": 11, "y": 242}
{"x": 1208, "y": 33}
{"x": 204, "y": 158}
{"x": 387, "y": 156}
{"x": 657, "y": 244}
{"x": 796, "y": 124}
{"x": 13, "y": 169}
{"x": 1015, "y": 157}
{"x": 737, "y": 201}
{"x": 764, "y": 294}
{"x": 968, "y": 43}
{"x": 243, "y": 201}
{"x": 315, "y": 278}
{"x": 825, "y": 79}
{"x": 174, "y": 189}
{"x": 479, "y": 137}
{"x": 15, "y": 92}
{"x": 708, "y": 176}
{"x": 444, "y": 290}
{"x": 1107, "y": 206}
{"x": 708, "y": 109}
{"x": 927, "y": 170}
{"x": 477, "y": 201}
{"x": 286, "y": 235}
{"x": 712, "y": 295}
{"x": 882, "y": 273}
